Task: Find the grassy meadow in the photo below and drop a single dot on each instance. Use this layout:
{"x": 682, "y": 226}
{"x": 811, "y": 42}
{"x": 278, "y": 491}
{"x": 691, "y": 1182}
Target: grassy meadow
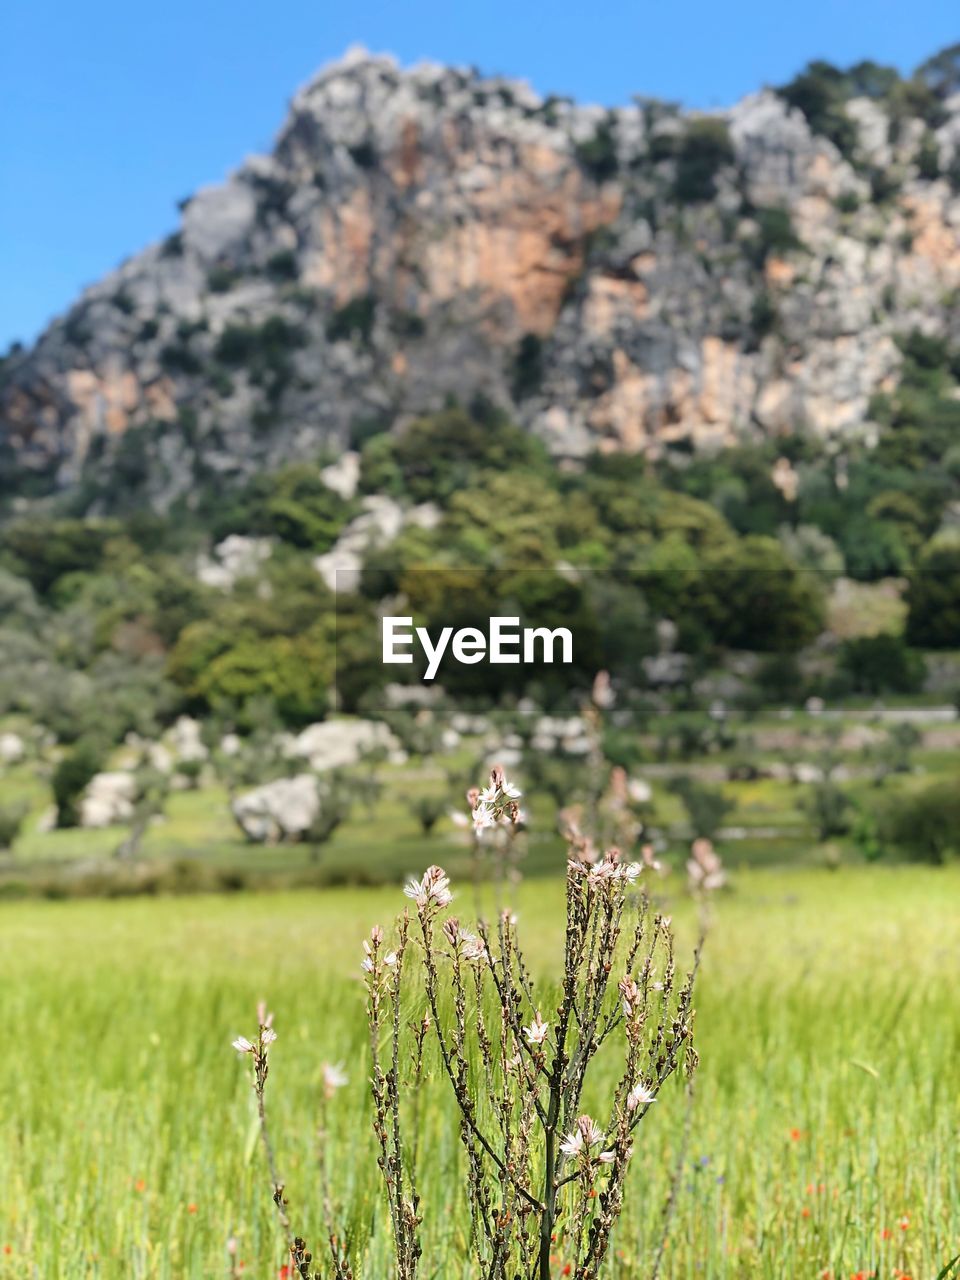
{"x": 824, "y": 1135}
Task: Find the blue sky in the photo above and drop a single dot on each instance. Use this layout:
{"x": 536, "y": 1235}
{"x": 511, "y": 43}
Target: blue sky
{"x": 113, "y": 111}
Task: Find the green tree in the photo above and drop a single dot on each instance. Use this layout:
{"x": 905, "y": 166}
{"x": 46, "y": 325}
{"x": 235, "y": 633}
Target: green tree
{"x": 925, "y": 825}
{"x": 70, "y": 778}
{"x": 933, "y": 596}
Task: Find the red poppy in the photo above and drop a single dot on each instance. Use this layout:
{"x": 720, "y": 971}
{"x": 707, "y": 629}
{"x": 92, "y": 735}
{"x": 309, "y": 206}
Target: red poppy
{"x": 796, "y": 1135}
{"x": 140, "y": 1185}
{"x": 191, "y": 1208}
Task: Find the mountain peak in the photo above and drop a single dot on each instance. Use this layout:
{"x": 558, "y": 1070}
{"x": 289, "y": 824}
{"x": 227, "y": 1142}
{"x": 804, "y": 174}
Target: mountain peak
{"x": 628, "y": 279}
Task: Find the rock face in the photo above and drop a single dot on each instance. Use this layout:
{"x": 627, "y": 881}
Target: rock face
{"x": 422, "y": 233}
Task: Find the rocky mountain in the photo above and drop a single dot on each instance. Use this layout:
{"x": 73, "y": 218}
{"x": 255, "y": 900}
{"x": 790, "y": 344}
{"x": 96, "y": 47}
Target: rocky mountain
{"x": 618, "y": 279}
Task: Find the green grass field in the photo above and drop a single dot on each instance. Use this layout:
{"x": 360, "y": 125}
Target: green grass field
{"x": 824, "y": 1138}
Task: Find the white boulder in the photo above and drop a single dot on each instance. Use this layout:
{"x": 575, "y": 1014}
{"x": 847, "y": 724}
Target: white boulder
{"x": 12, "y": 749}
{"x": 185, "y": 741}
{"x": 331, "y": 744}
{"x": 108, "y": 799}
{"x": 343, "y": 476}
{"x": 378, "y": 524}
{"x": 281, "y": 810}
{"x": 234, "y": 558}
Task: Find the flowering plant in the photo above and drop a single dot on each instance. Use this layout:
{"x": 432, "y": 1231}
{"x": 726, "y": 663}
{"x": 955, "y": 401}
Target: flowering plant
{"x": 545, "y": 1179}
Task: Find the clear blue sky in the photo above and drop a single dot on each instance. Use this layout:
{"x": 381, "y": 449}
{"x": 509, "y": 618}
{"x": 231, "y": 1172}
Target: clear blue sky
{"x": 114, "y": 110}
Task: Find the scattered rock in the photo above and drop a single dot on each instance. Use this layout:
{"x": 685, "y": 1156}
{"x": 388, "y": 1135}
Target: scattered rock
{"x": 184, "y": 739}
{"x": 234, "y": 558}
{"x": 108, "y": 800}
{"x": 282, "y": 810}
{"x": 12, "y": 749}
{"x": 332, "y": 744}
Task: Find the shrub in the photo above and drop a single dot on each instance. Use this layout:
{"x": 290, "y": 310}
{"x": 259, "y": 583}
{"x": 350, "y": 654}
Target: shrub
{"x": 925, "y": 826}
{"x": 407, "y": 324}
{"x": 43, "y": 550}
{"x": 775, "y": 234}
{"x": 882, "y": 664}
{"x": 222, "y": 278}
{"x": 780, "y": 679}
{"x": 598, "y": 155}
{"x": 764, "y": 317}
{"x": 177, "y": 357}
{"x": 70, "y": 779}
{"x": 11, "y": 820}
{"x": 353, "y": 320}
{"x": 527, "y": 367}
{"x": 440, "y": 454}
{"x": 428, "y": 810}
{"x": 702, "y": 151}
{"x": 283, "y": 266}
{"x": 928, "y": 158}
{"x": 820, "y": 92}
{"x": 829, "y": 809}
{"x": 263, "y": 350}
{"x": 335, "y": 805}
{"x": 267, "y": 343}
{"x": 364, "y": 154}
{"x": 933, "y": 596}
{"x": 706, "y": 807}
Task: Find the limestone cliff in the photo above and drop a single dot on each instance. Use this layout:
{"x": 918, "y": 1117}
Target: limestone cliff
{"x": 616, "y": 279}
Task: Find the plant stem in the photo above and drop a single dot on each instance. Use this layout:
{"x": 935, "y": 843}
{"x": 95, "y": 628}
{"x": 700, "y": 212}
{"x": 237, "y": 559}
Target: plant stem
{"x": 548, "y": 1216}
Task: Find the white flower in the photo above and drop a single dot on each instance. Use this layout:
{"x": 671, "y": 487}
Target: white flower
{"x": 536, "y": 1033}
{"x": 390, "y": 958}
{"x": 631, "y": 996}
{"x": 459, "y": 819}
{"x": 432, "y": 890}
{"x": 367, "y": 965}
{"x": 592, "y": 1133}
{"x": 640, "y": 791}
{"x": 471, "y": 947}
{"x": 607, "y": 1157}
{"x": 334, "y": 1077}
{"x": 572, "y": 1144}
{"x": 242, "y": 1045}
{"x": 483, "y": 817}
{"x": 601, "y": 871}
{"x": 267, "y": 1036}
{"x": 586, "y": 1134}
{"x": 510, "y": 792}
{"x": 631, "y": 871}
{"x": 488, "y": 796}
{"x": 639, "y": 1096}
